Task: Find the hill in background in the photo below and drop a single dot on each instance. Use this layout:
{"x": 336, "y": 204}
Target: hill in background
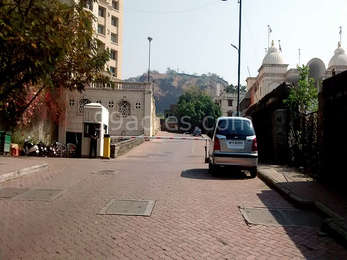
{"x": 170, "y": 85}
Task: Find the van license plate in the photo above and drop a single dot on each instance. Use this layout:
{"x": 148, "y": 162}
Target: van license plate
{"x": 236, "y": 144}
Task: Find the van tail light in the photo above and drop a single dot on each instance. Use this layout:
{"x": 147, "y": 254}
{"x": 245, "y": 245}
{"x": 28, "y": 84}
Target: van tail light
{"x": 216, "y": 145}
{"x": 255, "y": 145}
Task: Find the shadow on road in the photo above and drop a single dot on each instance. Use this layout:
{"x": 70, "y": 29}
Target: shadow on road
{"x": 305, "y": 236}
{"x": 223, "y": 173}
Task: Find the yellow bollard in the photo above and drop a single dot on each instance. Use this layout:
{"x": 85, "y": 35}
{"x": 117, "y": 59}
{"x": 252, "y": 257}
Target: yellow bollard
{"x": 107, "y": 146}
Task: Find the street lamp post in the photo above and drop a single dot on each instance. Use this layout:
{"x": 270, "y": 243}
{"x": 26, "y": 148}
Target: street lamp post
{"x": 149, "y": 57}
{"x": 239, "y": 58}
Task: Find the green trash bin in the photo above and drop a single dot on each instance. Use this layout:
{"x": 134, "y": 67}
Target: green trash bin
{"x": 5, "y": 142}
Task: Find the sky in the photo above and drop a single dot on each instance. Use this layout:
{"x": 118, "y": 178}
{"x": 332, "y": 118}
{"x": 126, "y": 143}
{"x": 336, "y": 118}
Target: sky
{"x": 194, "y": 36}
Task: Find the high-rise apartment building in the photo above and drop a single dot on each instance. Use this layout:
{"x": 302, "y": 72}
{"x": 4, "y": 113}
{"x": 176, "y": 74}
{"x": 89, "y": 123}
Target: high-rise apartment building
{"x": 108, "y": 29}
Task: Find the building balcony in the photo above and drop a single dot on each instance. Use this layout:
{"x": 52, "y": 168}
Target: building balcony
{"x": 122, "y": 85}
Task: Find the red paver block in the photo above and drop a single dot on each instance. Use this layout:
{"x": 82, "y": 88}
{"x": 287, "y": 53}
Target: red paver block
{"x": 196, "y": 215}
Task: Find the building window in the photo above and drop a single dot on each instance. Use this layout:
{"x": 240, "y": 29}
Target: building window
{"x": 138, "y": 105}
{"x": 113, "y": 55}
{"x": 102, "y": 11}
{"x": 89, "y": 5}
{"x": 83, "y": 102}
{"x": 113, "y": 71}
{"x": 115, "y": 5}
{"x": 124, "y": 108}
{"x": 101, "y": 29}
{"x": 230, "y": 102}
{"x": 99, "y": 101}
{"x": 101, "y": 47}
{"x": 114, "y": 38}
{"x": 111, "y": 104}
{"x": 114, "y": 21}
{"x": 72, "y": 102}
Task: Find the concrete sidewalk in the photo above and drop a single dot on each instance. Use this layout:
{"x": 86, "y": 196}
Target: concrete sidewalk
{"x": 305, "y": 192}
{"x": 11, "y": 168}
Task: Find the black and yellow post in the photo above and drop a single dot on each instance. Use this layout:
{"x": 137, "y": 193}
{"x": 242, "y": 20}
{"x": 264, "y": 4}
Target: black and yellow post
{"x": 107, "y": 146}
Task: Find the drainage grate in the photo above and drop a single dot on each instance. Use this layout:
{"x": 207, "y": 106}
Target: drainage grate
{"x": 8, "y": 193}
{"x": 128, "y": 207}
{"x": 39, "y": 195}
{"x": 280, "y": 217}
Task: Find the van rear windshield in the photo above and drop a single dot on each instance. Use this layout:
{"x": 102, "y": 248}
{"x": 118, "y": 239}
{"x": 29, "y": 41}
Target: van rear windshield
{"x": 237, "y": 127}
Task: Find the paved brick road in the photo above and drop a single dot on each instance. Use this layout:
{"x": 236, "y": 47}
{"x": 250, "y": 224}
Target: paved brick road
{"x": 195, "y": 217}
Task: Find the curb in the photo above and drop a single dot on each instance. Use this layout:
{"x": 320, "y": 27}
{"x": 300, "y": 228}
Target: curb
{"x": 285, "y": 192}
{"x": 333, "y": 224}
{"x": 22, "y": 172}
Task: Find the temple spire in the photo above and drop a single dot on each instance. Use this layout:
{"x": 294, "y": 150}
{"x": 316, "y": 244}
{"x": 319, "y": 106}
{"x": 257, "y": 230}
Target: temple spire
{"x": 269, "y": 31}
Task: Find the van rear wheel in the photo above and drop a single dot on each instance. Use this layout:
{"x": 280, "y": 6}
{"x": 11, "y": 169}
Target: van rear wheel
{"x": 253, "y": 172}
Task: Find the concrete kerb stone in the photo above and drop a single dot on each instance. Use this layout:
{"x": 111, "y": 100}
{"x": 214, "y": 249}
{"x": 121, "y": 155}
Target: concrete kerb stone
{"x": 327, "y": 211}
{"x": 22, "y": 172}
{"x": 333, "y": 224}
{"x": 336, "y": 228}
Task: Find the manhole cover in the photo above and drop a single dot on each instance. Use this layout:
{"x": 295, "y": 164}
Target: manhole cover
{"x": 7, "y": 193}
{"x": 280, "y": 217}
{"x": 39, "y": 195}
{"x": 129, "y": 207}
{"x": 105, "y": 172}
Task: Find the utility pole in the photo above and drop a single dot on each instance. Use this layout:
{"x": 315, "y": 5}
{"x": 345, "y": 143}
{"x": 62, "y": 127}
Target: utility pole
{"x": 239, "y": 58}
{"x": 149, "y": 58}
{"x": 239, "y": 63}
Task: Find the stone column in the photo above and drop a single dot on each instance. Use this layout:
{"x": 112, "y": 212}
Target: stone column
{"x": 148, "y": 120}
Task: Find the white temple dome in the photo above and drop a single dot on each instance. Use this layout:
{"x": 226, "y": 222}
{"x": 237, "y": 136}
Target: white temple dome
{"x": 339, "y": 58}
{"x": 273, "y": 56}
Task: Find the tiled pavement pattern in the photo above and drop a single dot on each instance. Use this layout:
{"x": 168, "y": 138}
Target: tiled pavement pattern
{"x": 10, "y": 164}
{"x": 196, "y": 216}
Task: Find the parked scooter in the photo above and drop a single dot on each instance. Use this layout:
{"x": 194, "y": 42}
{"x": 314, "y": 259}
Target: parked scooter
{"x": 51, "y": 151}
{"x": 43, "y": 151}
{"x": 58, "y": 149}
{"x": 30, "y": 148}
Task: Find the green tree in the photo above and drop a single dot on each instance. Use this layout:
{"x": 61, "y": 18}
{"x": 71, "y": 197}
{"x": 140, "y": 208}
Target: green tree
{"x": 233, "y": 89}
{"x": 303, "y": 98}
{"x": 194, "y": 106}
{"x": 45, "y": 45}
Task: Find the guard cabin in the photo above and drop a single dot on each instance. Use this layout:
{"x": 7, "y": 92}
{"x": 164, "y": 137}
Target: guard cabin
{"x": 95, "y": 126}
